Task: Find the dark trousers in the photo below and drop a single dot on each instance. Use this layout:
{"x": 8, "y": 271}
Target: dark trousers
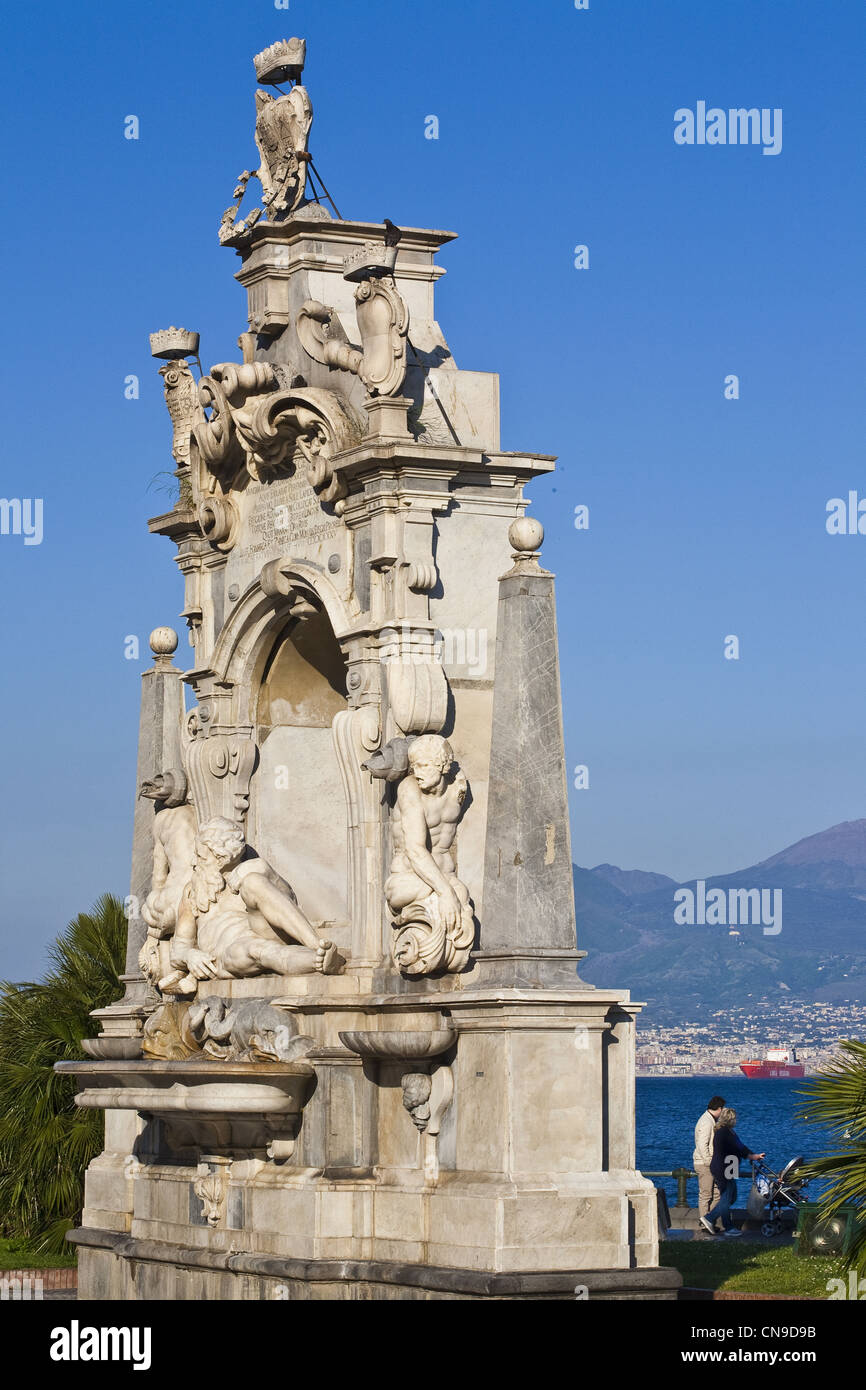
{"x": 728, "y": 1187}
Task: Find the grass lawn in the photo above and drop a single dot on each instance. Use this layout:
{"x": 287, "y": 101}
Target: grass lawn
{"x": 745, "y": 1267}
{"x": 14, "y": 1254}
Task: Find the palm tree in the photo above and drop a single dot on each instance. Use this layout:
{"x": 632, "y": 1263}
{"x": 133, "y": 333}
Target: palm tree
{"x": 46, "y": 1142}
{"x": 837, "y": 1102}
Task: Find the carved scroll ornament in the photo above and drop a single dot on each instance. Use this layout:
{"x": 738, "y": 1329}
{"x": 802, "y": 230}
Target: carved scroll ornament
{"x": 383, "y": 323}
{"x": 300, "y": 428}
{"x": 266, "y": 433}
{"x": 417, "y": 695}
{"x": 219, "y": 768}
{"x": 226, "y": 390}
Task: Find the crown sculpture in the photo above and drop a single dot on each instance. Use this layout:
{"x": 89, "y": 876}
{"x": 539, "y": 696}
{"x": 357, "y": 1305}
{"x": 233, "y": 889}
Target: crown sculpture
{"x": 282, "y": 62}
{"x": 173, "y": 343}
{"x": 354, "y": 1058}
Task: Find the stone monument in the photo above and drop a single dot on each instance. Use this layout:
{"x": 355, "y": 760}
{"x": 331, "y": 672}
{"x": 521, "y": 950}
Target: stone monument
{"x": 354, "y": 1058}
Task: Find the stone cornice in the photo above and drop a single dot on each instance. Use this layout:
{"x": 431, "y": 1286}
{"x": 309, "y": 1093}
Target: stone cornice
{"x": 177, "y": 524}
{"x": 302, "y": 229}
{"x": 371, "y": 453}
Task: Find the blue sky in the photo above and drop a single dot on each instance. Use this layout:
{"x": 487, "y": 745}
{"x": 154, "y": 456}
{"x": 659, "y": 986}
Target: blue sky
{"x": 707, "y": 516}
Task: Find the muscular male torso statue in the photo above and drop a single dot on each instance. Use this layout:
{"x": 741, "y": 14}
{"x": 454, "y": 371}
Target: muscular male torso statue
{"x": 424, "y": 826}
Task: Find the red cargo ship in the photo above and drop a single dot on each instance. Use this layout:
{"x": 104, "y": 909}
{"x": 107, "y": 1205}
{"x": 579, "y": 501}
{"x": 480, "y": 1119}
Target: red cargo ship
{"x": 778, "y": 1063}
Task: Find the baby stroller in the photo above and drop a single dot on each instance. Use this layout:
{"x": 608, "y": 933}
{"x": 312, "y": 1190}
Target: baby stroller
{"x": 772, "y": 1193}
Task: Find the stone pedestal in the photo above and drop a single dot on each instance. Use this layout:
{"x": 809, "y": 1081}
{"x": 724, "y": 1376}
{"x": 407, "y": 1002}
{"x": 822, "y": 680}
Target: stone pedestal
{"x": 528, "y": 1188}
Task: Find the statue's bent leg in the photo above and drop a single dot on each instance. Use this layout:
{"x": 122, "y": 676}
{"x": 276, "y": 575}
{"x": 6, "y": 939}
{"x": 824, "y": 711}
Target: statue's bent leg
{"x": 403, "y": 888}
{"x": 280, "y": 913}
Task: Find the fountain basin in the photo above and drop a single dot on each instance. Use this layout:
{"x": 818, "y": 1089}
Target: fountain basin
{"x": 399, "y": 1046}
{"x": 204, "y": 1088}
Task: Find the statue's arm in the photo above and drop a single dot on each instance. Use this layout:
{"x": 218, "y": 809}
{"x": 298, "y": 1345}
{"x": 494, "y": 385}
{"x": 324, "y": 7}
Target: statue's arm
{"x": 161, "y": 865}
{"x": 184, "y": 952}
{"x": 159, "y": 875}
{"x": 262, "y": 896}
{"x": 183, "y": 940}
{"x": 461, "y": 787}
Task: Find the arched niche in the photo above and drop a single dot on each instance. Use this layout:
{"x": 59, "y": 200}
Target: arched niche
{"x": 297, "y": 818}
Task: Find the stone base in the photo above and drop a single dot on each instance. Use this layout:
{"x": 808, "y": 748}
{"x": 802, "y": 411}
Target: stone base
{"x": 117, "y": 1267}
{"x": 513, "y": 1164}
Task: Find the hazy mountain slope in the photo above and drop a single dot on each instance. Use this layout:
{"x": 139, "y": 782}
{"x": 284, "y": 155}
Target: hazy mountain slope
{"x": 834, "y": 859}
{"x": 633, "y": 941}
{"x": 632, "y": 881}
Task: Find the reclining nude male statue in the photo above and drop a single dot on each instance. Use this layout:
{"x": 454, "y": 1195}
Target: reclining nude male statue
{"x": 236, "y": 918}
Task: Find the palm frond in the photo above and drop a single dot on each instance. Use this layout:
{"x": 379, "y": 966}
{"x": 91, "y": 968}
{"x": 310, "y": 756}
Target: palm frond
{"x": 45, "y": 1141}
{"x": 836, "y": 1101}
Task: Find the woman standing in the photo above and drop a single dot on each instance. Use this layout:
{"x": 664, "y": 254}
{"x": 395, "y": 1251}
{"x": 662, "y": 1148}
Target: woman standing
{"x": 724, "y": 1166}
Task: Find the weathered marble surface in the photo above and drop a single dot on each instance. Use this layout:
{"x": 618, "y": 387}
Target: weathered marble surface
{"x": 531, "y": 1170}
{"x": 529, "y": 932}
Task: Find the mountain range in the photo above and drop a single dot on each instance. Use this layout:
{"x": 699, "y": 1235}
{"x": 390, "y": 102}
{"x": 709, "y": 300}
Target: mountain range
{"x": 625, "y": 921}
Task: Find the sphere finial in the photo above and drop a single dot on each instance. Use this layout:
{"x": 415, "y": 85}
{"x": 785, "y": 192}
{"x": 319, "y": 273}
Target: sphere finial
{"x": 163, "y": 642}
{"x": 526, "y": 535}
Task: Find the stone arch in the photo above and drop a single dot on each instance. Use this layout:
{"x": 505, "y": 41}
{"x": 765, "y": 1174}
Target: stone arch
{"x": 282, "y": 667}
{"x": 243, "y": 647}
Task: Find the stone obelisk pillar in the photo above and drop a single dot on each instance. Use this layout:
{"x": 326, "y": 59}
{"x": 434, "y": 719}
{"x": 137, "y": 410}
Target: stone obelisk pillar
{"x": 528, "y": 935}
{"x": 159, "y": 749}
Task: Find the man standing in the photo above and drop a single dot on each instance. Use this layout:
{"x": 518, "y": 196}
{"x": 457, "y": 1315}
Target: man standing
{"x": 708, "y": 1192}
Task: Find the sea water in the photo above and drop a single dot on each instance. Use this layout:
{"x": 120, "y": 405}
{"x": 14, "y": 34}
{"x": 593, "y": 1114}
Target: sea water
{"x": 769, "y": 1120}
